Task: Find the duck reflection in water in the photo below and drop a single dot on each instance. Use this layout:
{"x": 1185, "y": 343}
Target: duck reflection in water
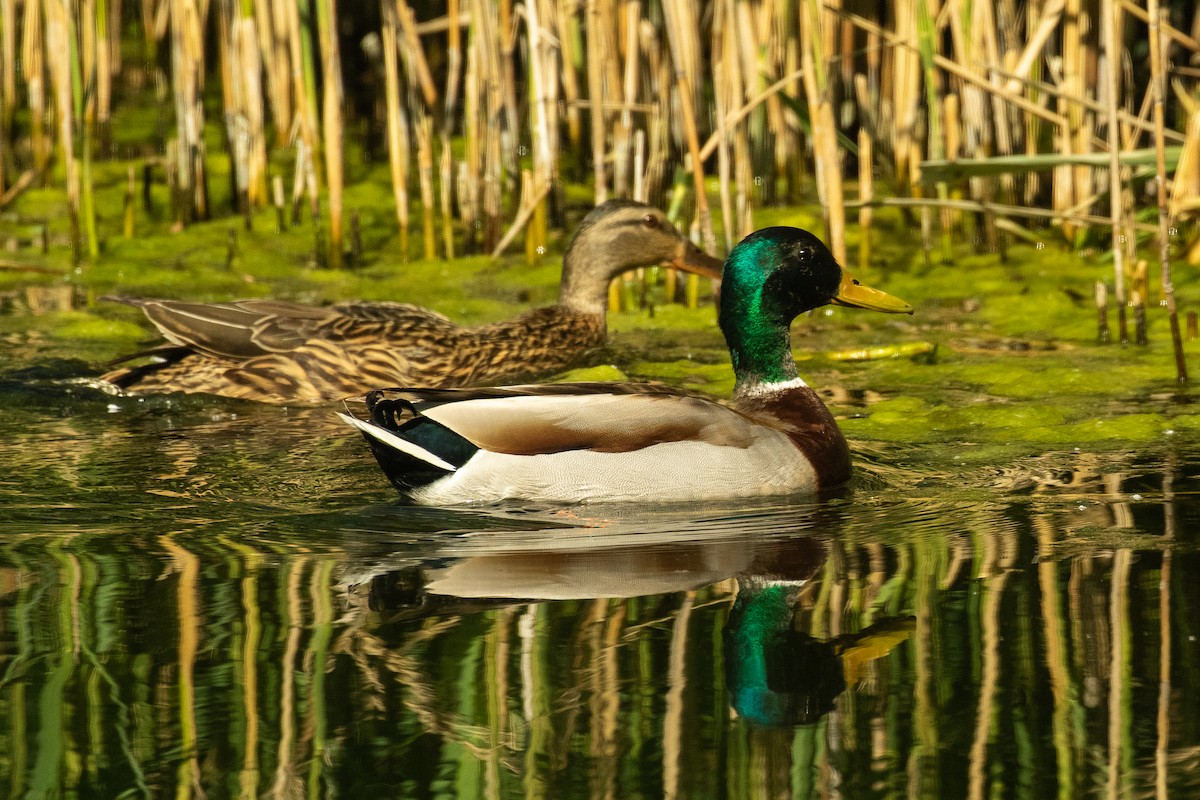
{"x": 775, "y": 673}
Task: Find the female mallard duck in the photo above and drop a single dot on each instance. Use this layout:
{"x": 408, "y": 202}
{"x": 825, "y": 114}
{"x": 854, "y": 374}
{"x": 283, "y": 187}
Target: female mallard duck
{"x": 280, "y": 352}
{"x": 596, "y": 441}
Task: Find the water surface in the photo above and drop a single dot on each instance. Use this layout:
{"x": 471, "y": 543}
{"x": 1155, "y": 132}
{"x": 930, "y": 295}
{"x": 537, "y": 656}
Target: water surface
{"x": 209, "y": 598}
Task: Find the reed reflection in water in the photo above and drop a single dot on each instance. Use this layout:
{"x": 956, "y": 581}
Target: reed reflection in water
{"x": 901, "y": 649}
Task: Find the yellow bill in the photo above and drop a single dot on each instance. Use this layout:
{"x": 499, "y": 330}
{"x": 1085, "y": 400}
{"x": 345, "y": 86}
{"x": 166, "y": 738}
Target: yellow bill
{"x": 856, "y": 295}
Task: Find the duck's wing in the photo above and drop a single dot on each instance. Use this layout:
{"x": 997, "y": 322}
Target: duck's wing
{"x": 388, "y": 311}
{"x": 240, "y": 329}
{"x": 532, "y": 420}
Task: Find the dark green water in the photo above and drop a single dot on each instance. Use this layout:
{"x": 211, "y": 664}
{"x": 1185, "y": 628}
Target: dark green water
{"x": 207, "y": 598}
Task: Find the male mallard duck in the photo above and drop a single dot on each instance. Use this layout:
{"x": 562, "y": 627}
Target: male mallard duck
{"x": 604, "y": 441}
{"x": 279, "y": 352}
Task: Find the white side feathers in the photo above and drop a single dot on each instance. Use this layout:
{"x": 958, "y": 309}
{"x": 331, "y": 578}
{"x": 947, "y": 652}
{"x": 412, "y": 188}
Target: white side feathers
{"x": 397, "y": 443}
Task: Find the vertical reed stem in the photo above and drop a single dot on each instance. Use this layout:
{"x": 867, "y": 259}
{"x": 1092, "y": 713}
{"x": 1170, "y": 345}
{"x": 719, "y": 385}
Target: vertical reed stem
{"x": 1117, "y": 216}
{"x": 825, "y": 147}
{"x": 596, "y": 98}
{"x": 866, "y": 193}
{"x": 682, "y": 29}
{"x": 1102, "y": 334}
{"x": 331, "y": 116}
{"x": 1164, "y": 240}
{"x": 453, "y": 72}
{"x": 130, "y": 203}
{"x": 397, "y": 121}
{"x": 59, "y": 40}
{"x": 277, "y": 197}
{"x": 425, "y": 173}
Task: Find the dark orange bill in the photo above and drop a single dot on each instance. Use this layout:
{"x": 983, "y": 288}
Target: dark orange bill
{"x": 690, "y": 258}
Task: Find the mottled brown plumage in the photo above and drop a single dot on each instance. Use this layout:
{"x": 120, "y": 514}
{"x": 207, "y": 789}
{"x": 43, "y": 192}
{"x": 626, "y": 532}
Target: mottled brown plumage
{"x": 280, "y": 352}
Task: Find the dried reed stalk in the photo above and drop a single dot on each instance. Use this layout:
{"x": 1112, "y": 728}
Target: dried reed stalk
{"x": 470, "y": 173}
{"x": 278, "y": 201}
{"x": 993, "y": 87}
{"x": 1158, "y": 90}
{"x": 630, "y": 22}
{"x": 243, "y": 102}
{"x": 424, "y": 129}
{"x": 304, "y": 97}
{"x": 981, "y": 128}
{"x": 490, "y": 165}
{"x": 531, "y": 198}
{"x": 331, "y": 122}
{"x": 271, "y": 24}
{"x": 639, "y": 166}
{"x": 927, "y": 37}
{"x": 1112, "y": 60}
{"x": 506, "y": 28}
{"x": 866, "y": 193}
{"x": 82, "y": 31}
{"x": 824, "y": 129}
{"x": 59, "y": 39}
{"x": 721, "y": 92}
{"x": 543, "y": 84}
{"x": 399, "y": 141}
{"x": 418, "y": 68}
{"x": 467, "y": 211}
{"x": 745, "y": 83}
{"x": 453, "y": 73}
{"x": 658, "y": 133}
{"x": 250, "y": 57}
{"x": 1185, "y": 188}
{"x": 1074, "y": 138}
{"x": 445, "y": 192}
{"x": 597, "y": 45}
{"x": 1102, "y": 312}
{"x": 103, "y": 60}
{"x": 8, "y": 72}
{"x": 569, "y": 32}
{"x": 905, "y": 93}
{"x": 131, "y": 192}
{"x": 187, "y": 22}
{"x": 8, "y": 84}
{"x": 683, "y": 36}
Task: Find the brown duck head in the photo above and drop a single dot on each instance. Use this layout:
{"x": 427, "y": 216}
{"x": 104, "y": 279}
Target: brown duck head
{"x": 617, "y": 236}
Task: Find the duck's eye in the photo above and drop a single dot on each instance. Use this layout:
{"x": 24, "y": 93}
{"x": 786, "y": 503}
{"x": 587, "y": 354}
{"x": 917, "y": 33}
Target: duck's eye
{"x": 856, "y": 281}
{"x": 650, "y": 221}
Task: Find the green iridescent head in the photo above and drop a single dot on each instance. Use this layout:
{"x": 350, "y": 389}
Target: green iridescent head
{"x": 771, "y": 277}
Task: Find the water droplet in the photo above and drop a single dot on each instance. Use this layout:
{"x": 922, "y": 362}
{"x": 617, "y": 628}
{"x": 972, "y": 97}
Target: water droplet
{"x": 113, "y": 408}
{"x": 1040, "y": 246}
{"x": 1135, "y": 497}
{"x": 1081, "y": 507}
{"x": 1169, "y": 432}
{"x": 541, "y": 251}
